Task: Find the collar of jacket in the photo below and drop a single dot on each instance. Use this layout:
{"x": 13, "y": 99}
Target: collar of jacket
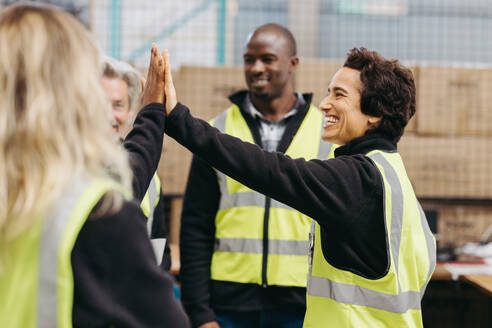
{"x": 239, "y": 99}
{"x": 366, "y": 143}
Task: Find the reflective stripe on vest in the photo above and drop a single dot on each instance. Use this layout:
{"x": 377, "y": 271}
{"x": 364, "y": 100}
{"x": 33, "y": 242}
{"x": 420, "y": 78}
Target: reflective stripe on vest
{"x": 53, "y": 227}
{"x": 386, "y": 293}
{"x": 150, "y": 201}
{"x": 249, "y": 245}
{"x": 36, "y": 283}
{"x": 148, "y": 205}
{"x": 238, "y": 251}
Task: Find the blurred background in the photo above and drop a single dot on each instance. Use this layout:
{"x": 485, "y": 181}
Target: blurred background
{"x": 447, "y": 147}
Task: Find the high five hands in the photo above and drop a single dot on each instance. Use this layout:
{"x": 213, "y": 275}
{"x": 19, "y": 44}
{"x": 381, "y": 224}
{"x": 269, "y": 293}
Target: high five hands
{"x": 159, "y": 87}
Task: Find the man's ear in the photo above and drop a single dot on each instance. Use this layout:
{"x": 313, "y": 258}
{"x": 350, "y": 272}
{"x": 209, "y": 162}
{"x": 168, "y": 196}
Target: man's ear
{"x": 294, "y": 61}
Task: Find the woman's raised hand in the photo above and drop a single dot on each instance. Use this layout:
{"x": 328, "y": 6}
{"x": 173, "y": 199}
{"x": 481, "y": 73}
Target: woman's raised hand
{"x": 153, "y": 91}
{"x": 170, "y": 91}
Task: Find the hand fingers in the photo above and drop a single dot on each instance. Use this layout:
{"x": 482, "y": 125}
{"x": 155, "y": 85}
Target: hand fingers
{"x": 154, "y": 85}
{"x": 160, "y": 72}
{"x": 155, "y": 63}
{"x": 167, "y": 68}
{"x": 142, "y": 81}
{"x": 150, "y": 71}
{"x": 170, "y": 92}
{"x": 165, "y": 55}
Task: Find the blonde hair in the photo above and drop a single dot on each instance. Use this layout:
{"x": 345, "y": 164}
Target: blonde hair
{"x": 52, "y": 128}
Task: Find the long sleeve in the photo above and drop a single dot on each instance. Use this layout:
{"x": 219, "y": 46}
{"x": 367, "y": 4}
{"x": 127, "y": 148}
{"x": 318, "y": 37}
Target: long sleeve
{"x": 116, "y": 280}
{"x": 197, "y": 240}
{"x": 333, "y": 192}
{"x": 344, "y": 195}
{"x": 144, "y": 146}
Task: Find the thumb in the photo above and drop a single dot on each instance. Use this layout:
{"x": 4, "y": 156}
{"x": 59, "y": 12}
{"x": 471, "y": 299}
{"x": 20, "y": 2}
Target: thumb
{"x": 171, "y": 99}
{"x": 142, "y": 81}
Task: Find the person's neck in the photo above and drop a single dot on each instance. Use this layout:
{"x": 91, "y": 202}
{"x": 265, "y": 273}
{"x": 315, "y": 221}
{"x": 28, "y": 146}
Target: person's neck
{"x": 274, "y": 109}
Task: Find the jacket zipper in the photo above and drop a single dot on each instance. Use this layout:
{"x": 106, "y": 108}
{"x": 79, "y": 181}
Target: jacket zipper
{"x": 266, "y": 218}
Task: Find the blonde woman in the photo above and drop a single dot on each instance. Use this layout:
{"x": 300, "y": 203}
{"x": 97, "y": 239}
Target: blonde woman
{"x": 73, "y": 247}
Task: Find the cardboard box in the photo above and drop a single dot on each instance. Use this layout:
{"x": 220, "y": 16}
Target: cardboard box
{"x": 412, "y": 124}
{"x": 454, "y": 101}
{"x": 460, "y": 224}
{"x": 174, "y": 167}
{"x": 448, "y": 167}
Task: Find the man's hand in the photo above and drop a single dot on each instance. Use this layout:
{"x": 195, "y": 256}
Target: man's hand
{"x": 170, "y": 91}
{"x": 154, "y": 85}
{"x": 211, "y": 324}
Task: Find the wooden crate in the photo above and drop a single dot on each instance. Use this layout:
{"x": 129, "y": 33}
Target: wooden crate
{"x": 462, "y": 223}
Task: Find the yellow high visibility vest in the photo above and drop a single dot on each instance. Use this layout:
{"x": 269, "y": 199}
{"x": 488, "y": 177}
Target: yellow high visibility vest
{"x": 238, "y": 254}
{"x": 339, "y": 298}
{"x": 148, "y": 205}
{"x": 150, "y": 200}
{"x": 36, "y": 285}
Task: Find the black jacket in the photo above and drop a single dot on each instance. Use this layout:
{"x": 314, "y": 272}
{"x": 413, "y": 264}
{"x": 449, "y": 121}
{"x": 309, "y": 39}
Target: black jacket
{"x": 344, "y": 195}
{"x": 159, "y": 226}
{"x": 116, "y": 280}
{"x": 201, "y": 295}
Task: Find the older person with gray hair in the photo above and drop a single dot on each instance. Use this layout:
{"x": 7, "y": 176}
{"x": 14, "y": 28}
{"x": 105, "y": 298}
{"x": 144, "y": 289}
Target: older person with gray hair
{"x": 123, "y": 86}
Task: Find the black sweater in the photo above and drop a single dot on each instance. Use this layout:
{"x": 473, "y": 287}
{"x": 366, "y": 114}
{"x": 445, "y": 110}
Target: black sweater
{"x": 116, "y": 280}
{"x": 201, "y": 295}
{"x": 344, "y": 195}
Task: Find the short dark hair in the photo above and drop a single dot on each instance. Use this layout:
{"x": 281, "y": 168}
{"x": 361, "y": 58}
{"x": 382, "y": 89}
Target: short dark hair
{"x": 283, "y": 31}
{"x": 388, "y": 90}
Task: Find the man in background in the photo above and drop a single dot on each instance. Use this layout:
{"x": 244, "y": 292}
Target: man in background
{"x": 123, "y": 86}
{"x": 244, "y": 256}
